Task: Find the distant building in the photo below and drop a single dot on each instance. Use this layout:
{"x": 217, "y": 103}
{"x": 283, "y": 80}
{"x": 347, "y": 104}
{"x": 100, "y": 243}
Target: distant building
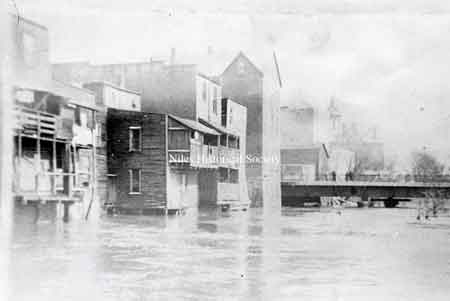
{"x": 114, "y": 97}
{"x": 304, "y": 163}
{"x": 297, "y": 126}
{"x": 357, "y": 138}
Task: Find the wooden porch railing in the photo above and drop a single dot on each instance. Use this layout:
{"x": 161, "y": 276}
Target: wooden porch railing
{"x": 35, "y": 122}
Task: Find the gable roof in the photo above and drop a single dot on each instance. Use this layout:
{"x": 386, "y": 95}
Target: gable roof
{"x": 242, "y": 55}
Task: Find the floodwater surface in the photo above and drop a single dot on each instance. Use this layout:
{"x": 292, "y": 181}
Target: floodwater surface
{"x": 326, "y": 254}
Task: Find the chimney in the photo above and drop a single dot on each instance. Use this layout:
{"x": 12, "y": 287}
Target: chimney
{"x": 172, "y": 55}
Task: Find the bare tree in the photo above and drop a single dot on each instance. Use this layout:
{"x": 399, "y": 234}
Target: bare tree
{"x": 426, "y": 166}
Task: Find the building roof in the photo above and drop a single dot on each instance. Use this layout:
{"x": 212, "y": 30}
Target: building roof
{"x": 109, "y": 84}
{"x": 75, "y": 95}
{"x": 305, "y": 148}
{"x": 242, "y": 55}
{"x": 195, "y": 125}
{"x": 219, "y": 128}
{"x": 210, "y": 78}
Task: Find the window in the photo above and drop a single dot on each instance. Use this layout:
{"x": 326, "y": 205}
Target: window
{"x": 234, "y": 176}
{"x": 84, "y": 117}
{"x": 135, "y": 138}
{"x": 231, "y": 116}
{"x": 135, "y": 180}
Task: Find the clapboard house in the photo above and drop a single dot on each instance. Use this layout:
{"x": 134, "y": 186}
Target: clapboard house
{"x": 108, "y": 95}
{"x": 155, "y": 160}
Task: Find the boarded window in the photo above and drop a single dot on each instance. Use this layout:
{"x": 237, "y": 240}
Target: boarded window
{"x": 135, "y": 134}
{"x": 135, "y": 180}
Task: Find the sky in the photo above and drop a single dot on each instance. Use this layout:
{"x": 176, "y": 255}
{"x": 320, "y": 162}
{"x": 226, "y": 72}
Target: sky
{"x": 389, "y": 59}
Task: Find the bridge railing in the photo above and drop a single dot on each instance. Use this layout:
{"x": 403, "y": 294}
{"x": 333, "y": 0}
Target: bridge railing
{"x": 399, "y": 178}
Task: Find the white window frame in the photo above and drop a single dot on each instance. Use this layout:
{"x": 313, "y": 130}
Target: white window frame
{"x": 130, "y": 138}
{"x": 131, "y": 180}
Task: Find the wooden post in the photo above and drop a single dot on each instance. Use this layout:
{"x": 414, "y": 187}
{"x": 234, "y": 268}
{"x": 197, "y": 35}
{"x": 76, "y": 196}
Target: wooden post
{"x": 54, "y": 168}
{"x": 94, "y": 171}
{"x": 19, "y": 159}
{"x": 38, "y": 159}
{"x": 66, "y": 214}
{"x": 37, "y": 212}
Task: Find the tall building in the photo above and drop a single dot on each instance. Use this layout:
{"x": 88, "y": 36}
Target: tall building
{"x": 243, "y": 82}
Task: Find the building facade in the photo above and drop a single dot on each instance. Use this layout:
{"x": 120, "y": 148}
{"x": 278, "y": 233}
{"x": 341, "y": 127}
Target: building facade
{"x": 243, "y": 82}
{"x": 53, "y": 128}
{"x": 160, "y": 163}
{"x": 304, "y": 164}
{"x": 107, "y": 96}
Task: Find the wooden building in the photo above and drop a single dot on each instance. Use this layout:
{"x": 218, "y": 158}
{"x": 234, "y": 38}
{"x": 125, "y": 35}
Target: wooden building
{"x": 182, "y": 90}
{"x": 53, "y": 127}
{"x": 108, "y": 95}
{"x": 154, "y": 160}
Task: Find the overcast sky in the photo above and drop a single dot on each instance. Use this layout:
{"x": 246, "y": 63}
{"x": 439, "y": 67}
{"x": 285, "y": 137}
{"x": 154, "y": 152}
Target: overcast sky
{"x": 390, "y": 57}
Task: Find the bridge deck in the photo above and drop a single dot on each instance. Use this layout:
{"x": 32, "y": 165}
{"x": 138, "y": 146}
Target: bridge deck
{"x": 369, "y": 184}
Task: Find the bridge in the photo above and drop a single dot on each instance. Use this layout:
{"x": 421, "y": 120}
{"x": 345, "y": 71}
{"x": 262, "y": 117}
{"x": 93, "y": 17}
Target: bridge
{"x": 391, "y": 193}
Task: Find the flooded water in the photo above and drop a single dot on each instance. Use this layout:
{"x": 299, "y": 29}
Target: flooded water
{"x": 360, "y": 254}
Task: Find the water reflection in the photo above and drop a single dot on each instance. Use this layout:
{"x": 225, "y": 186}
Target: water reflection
{"x": 208, "y": 255}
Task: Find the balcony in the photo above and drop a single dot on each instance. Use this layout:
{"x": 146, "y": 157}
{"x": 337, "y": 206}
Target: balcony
{"x": 35, "y": 123}
{"x": 227, "y": 193}
{"x": 198, "y": 155}
{"x": 229, "y": 157}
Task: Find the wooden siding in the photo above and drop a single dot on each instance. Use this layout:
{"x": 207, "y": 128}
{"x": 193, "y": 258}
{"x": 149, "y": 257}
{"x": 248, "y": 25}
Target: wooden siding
{"x": 101, "y": 158}
{"x": 151, "y": 159}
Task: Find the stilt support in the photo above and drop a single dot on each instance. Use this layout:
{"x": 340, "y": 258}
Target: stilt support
{"x": 66, "y": 212}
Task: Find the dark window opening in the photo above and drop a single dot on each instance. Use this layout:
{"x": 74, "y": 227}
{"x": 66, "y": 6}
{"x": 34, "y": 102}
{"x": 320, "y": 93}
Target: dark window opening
{"x": 135, "y": 139}
{"x": 135, "y": 180}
